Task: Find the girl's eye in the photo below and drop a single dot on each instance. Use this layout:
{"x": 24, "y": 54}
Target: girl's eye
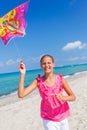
{"x": 43, "y": 63}
{"x": 49, "y": 63}
{"x": 46, "y": 63}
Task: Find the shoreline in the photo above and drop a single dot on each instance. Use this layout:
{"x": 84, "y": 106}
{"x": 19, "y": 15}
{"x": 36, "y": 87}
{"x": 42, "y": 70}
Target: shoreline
{"x": 23, "y": 114}
{"x": 12, "y": 94}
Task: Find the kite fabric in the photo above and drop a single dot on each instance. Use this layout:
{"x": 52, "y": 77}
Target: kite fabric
{"x": 13, "y": 23}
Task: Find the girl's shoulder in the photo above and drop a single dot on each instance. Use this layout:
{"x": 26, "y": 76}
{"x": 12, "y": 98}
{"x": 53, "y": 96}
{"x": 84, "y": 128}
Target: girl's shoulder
{"x": 60, "y": 76}
{"x": 39, "y": 77}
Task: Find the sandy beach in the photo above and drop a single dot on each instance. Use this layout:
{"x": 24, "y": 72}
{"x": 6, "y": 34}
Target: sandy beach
{"x": 23, "y": 114}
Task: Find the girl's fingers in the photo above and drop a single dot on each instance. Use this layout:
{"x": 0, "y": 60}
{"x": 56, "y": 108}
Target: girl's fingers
{"x": 58, "y": 96}
{"x": 21, "y": 66}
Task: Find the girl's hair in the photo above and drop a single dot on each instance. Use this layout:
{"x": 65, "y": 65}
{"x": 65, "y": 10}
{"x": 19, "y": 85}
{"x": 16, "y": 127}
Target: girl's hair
{"x": 46, "y": 55}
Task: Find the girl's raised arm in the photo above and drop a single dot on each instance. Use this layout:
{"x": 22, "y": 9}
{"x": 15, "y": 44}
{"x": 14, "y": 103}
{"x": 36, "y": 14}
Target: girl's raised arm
{"x": 22, "y": 91}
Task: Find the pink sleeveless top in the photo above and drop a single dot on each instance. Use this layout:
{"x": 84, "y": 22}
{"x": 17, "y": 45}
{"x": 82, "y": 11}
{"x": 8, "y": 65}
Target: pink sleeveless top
{"x": 51, "y": 107}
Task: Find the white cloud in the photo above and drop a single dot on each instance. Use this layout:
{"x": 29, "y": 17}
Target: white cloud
{"x": 35, "y": 59}
{"x": 10, "y": 62}
{"x": 74, "y": 45}
{"x": 18, "y": 60}
{"x": 83, "y": 57}
{"x": 77, "y": 58}
{"x": 73, "y": 58}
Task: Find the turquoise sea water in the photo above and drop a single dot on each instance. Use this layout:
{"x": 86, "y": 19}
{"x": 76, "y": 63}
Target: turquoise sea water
{"x": 9, "y": 81}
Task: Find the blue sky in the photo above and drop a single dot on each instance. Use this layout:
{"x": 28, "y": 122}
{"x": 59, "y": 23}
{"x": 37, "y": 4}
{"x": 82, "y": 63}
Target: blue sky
{"x": 56, "y": 27}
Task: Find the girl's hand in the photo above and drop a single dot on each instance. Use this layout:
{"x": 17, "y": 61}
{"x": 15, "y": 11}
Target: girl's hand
{"x": 60, "y": 97}
{"x": 22, "y": 68}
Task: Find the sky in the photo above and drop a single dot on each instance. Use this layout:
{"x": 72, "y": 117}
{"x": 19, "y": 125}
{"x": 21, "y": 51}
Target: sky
{"x": 55, "y": 27}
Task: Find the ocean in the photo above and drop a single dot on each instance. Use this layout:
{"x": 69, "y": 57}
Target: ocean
{"x": 9, "y": 81}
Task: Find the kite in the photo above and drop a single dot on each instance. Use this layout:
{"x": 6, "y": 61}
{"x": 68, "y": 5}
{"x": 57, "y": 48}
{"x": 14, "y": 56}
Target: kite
{"x": 13, "y": 23}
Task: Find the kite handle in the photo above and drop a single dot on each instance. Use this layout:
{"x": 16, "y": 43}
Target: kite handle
{"x": 21, "y": 65}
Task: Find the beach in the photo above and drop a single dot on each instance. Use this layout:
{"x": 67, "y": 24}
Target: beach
{"x": 24, "y": 114}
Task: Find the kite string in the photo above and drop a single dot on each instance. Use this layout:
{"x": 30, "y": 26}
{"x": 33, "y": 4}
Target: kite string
{"x": 17, "y": 49}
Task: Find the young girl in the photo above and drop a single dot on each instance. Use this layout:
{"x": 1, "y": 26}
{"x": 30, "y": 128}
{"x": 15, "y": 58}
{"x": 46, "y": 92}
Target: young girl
{"x": 54, "y": 107}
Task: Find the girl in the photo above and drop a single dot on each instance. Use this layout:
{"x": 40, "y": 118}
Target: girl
{"x": 54, "y": 107}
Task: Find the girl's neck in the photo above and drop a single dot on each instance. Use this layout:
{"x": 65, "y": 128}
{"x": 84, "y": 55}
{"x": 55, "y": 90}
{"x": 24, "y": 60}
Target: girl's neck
{"x": 50, "y": 79}
{"x": 47, "y": 76}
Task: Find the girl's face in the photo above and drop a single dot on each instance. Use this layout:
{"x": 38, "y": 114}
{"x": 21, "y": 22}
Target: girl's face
{"x": 47, "y": 65}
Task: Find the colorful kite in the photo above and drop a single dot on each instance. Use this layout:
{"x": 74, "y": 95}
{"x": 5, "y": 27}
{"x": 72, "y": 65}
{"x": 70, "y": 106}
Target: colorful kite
{"x": 13, "y": 23}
